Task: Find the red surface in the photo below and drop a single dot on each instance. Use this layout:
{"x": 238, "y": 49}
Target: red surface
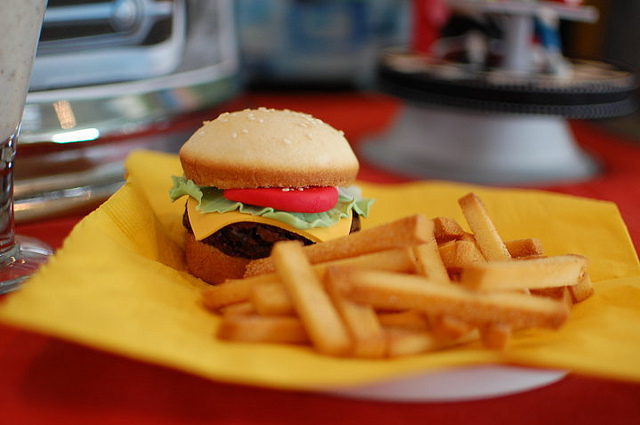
{"x": 44, "y": 380}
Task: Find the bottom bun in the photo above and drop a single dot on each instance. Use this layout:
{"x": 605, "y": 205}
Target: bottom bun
{"x": 210, "y": 264}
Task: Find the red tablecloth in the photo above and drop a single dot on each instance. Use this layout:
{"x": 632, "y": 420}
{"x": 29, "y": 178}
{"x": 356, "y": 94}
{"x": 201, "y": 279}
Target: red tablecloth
{"x": 45, "y": 380}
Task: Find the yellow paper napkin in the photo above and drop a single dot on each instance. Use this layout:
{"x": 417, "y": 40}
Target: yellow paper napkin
{"x": 119, "y": 284}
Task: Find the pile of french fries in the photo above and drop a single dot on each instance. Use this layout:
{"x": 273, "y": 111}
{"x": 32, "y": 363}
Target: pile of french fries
{"x": 405, "y": 287}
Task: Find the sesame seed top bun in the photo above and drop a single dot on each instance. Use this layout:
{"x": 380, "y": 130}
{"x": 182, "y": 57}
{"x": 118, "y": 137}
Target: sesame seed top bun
{"x": 268, "y": 148}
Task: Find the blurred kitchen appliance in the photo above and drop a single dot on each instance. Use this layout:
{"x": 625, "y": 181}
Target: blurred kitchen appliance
{"x": 312, "y": 44}
{"x": 495, "y": 111}
{"x": 111, "y": 76}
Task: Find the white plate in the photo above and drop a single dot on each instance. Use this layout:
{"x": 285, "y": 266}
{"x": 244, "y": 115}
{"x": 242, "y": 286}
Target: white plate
{"x": 457, "y": 385}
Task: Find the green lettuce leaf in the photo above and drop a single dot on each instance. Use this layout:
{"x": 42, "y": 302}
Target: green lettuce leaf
{"x": 210, "y": 199}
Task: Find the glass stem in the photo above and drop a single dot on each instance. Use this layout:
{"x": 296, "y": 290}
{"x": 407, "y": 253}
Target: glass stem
{"x": 7, "y": 227}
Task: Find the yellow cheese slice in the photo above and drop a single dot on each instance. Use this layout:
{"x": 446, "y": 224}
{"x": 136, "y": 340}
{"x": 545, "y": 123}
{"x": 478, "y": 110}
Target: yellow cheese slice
{"x": 204, "y": 225}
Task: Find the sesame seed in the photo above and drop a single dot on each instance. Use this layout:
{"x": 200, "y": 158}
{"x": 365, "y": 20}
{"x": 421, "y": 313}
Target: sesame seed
{"x": 234, "y": 135}
{"x": 287, "y": 141}
{"x": 245, "y": 131}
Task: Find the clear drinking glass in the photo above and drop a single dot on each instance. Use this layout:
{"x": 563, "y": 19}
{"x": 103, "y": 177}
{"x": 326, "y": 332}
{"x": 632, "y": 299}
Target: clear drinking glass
{"x": 20, "y": 24}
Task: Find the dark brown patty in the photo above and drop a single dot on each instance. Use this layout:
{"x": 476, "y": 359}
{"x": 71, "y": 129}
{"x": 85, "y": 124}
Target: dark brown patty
{"x": 253, "y": 240}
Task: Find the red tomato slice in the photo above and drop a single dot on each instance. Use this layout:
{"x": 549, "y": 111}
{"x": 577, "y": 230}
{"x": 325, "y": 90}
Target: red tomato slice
{"x": 303, "y": 200}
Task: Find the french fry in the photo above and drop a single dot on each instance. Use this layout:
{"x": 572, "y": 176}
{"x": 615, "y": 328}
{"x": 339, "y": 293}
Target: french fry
{"x": 496, "y": 335}
{"x": 361, "y": 320}
{"x": 316, "y": 311}
{"x": 566, "y": 296}
{"x": 447, "y": 251}
{"x": 271, "y": 329}
{"x": 272, "y": 299}
{"x": 401, "y": 291}
{"x": 458, "y": 254}
{"x": 396, "y": 259}
{"x": 390, "y": 291}
{"x": 406, "y": 342}
{"x": 239, "y": 290}
{"x": 229, "y": 292}
{"x": 238, "y": 309}
{"x": 446, "y": 229}
{"x": 406, "y": 231}
{"x": 449, "y": 327}
{"x": 581, "y": 290}
{"x": 544, "y": 272}
{"x": 555, "y": 292}
{"x": 429, "y": 263}
{"x": 469, "y": 237}
{"x": 483, "y": 228}
{"x": 411, "y": 319}
{"x": 525, "y": 248}
{"x": 465, "y": 254}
